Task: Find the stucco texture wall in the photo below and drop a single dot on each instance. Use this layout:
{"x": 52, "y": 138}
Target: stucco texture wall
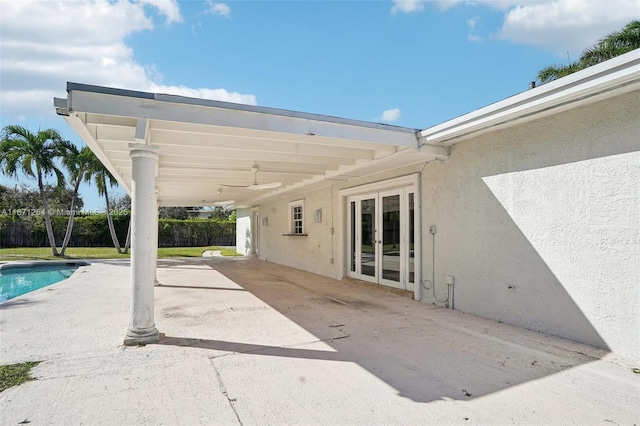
{"x": 243, "y": 232}
{"x": 311, "y": 252}
{"x": 539, "y": 224}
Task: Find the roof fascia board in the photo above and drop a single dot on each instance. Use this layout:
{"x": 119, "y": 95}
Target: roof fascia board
{"x": 621, "y": 72}
{"x": 116, "y": 102}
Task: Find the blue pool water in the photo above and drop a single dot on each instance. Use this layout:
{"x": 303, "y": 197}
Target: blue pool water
{"x": 17, "y": 281}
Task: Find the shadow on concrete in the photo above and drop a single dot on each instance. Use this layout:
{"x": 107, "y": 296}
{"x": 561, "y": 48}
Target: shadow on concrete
{"x": 246, "y": 348}
{"x": 199, "y": 287}
{"x": 18, "y": 303}
{"x": 424, "y": 352}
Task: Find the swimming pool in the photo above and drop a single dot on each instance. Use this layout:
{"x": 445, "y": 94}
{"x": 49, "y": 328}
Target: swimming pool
{"x": 19, "y": 279}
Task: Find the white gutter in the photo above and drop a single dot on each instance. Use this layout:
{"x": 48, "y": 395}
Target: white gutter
{"x": 617, "y": 75}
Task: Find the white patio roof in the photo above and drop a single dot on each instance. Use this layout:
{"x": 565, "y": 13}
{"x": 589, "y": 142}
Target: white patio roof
{"x": 204, "y": 145}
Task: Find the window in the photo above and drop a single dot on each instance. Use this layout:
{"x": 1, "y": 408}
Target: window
{"x": 296, "y": 217}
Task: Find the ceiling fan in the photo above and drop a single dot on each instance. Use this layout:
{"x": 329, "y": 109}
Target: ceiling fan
{"x": 255, "y": 186}
{"x": 220, "y": 202}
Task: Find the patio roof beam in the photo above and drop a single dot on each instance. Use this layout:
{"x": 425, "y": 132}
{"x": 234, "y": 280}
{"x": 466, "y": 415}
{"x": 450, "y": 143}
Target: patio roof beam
{"x": 173, "y": 143}
{"x": 243, "y": 165}
{"x": 142, "y": 131}
{"x": 257, "y": 135}
{"x": 234, "y": 174}
{"x": 175, "y": 158}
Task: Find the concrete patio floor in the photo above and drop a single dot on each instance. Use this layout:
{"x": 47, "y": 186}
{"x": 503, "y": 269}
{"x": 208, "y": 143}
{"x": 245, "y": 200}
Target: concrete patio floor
{"x": 253, "y": 343}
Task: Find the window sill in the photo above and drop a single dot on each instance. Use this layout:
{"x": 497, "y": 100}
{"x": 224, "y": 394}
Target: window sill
{"x": 295, "y": 235}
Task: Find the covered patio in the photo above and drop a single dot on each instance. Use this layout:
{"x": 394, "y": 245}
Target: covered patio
{"x": 234, "y": 351}
{"x": 168, "y": 150}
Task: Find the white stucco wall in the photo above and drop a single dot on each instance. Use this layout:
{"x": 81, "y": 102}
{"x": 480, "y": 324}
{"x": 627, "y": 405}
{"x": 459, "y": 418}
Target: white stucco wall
{"x": 243, "y": 232}
{"x": 551, "y": 209}
{"x": 311, "y": 252}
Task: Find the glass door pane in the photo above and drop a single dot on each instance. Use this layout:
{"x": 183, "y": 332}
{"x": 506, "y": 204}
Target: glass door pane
{"x": 353, "y": 236}
{"x": 368, "y": 237}
{"x": 411, "y": 214}
{"x": 391, "y": 237}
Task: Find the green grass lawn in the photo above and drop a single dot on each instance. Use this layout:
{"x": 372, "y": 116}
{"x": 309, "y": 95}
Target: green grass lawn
{"x": 44, "y": 253}
{"x": 15, "y": 374}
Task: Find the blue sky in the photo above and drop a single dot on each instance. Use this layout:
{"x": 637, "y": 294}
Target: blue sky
{"x": 409, "y": 63}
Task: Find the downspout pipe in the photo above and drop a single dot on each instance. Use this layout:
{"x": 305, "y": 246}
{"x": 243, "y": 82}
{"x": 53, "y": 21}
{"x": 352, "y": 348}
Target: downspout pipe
{"x": 442, "y": 154}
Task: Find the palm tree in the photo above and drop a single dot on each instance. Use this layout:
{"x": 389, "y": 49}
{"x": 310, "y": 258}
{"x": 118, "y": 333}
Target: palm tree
{"x": 103, "y": 179}
{"x": 612, "y": 45}
{"x": 34, "y": 155}
{"x": 78, "y": 163}
{"x": 609, "y": 46}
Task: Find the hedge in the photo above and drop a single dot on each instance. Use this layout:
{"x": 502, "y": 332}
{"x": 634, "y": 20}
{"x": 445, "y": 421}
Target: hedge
{"x": 93, "y": 231}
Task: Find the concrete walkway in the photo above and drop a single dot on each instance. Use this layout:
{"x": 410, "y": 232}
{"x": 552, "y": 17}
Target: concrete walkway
{"x": 252, "y": 343}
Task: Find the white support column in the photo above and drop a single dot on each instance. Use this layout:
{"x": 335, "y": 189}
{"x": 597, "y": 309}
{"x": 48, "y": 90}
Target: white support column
{"x": 142, "y": 328}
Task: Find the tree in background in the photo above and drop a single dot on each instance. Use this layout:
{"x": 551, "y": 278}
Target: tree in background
{"x": 17, "y": 199}
{"x": 103, "y": 180}
{"x": 222, "y": 213}
{"x": 78, "y": 163}
{"x": 181, "y": 213}
{"x": 35, "y": 155}
{"x": 122, "y": 203}
{"x": 173, "y": 213}
{"x": 610, "y": 46}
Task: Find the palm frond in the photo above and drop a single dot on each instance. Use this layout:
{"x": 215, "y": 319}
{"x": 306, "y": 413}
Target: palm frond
{"x": 613, "y": 44}
{"x": 608, "y": 47}
{"x": 555, "y": 72}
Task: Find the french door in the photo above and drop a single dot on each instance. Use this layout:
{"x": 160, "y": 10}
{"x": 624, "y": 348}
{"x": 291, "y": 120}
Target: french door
{"x": 381, "y": 237}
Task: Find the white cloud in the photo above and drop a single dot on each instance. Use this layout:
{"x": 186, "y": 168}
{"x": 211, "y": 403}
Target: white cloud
{"x": 558, "y": 26}
{"x": 407, "y": 6}
{"x": 221, "y": 9}
{"x": 566, "y": 25}
{"x": 86, "y": 43}
{"x": 168, "y": 8}
{"x": 215, "y": 94}
{"x": 390, "y": 115}
{"x": 472, "y": 23}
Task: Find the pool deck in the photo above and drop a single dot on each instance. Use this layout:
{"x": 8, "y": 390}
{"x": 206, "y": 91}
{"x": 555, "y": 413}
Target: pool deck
{"x": 247, "y": 342}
